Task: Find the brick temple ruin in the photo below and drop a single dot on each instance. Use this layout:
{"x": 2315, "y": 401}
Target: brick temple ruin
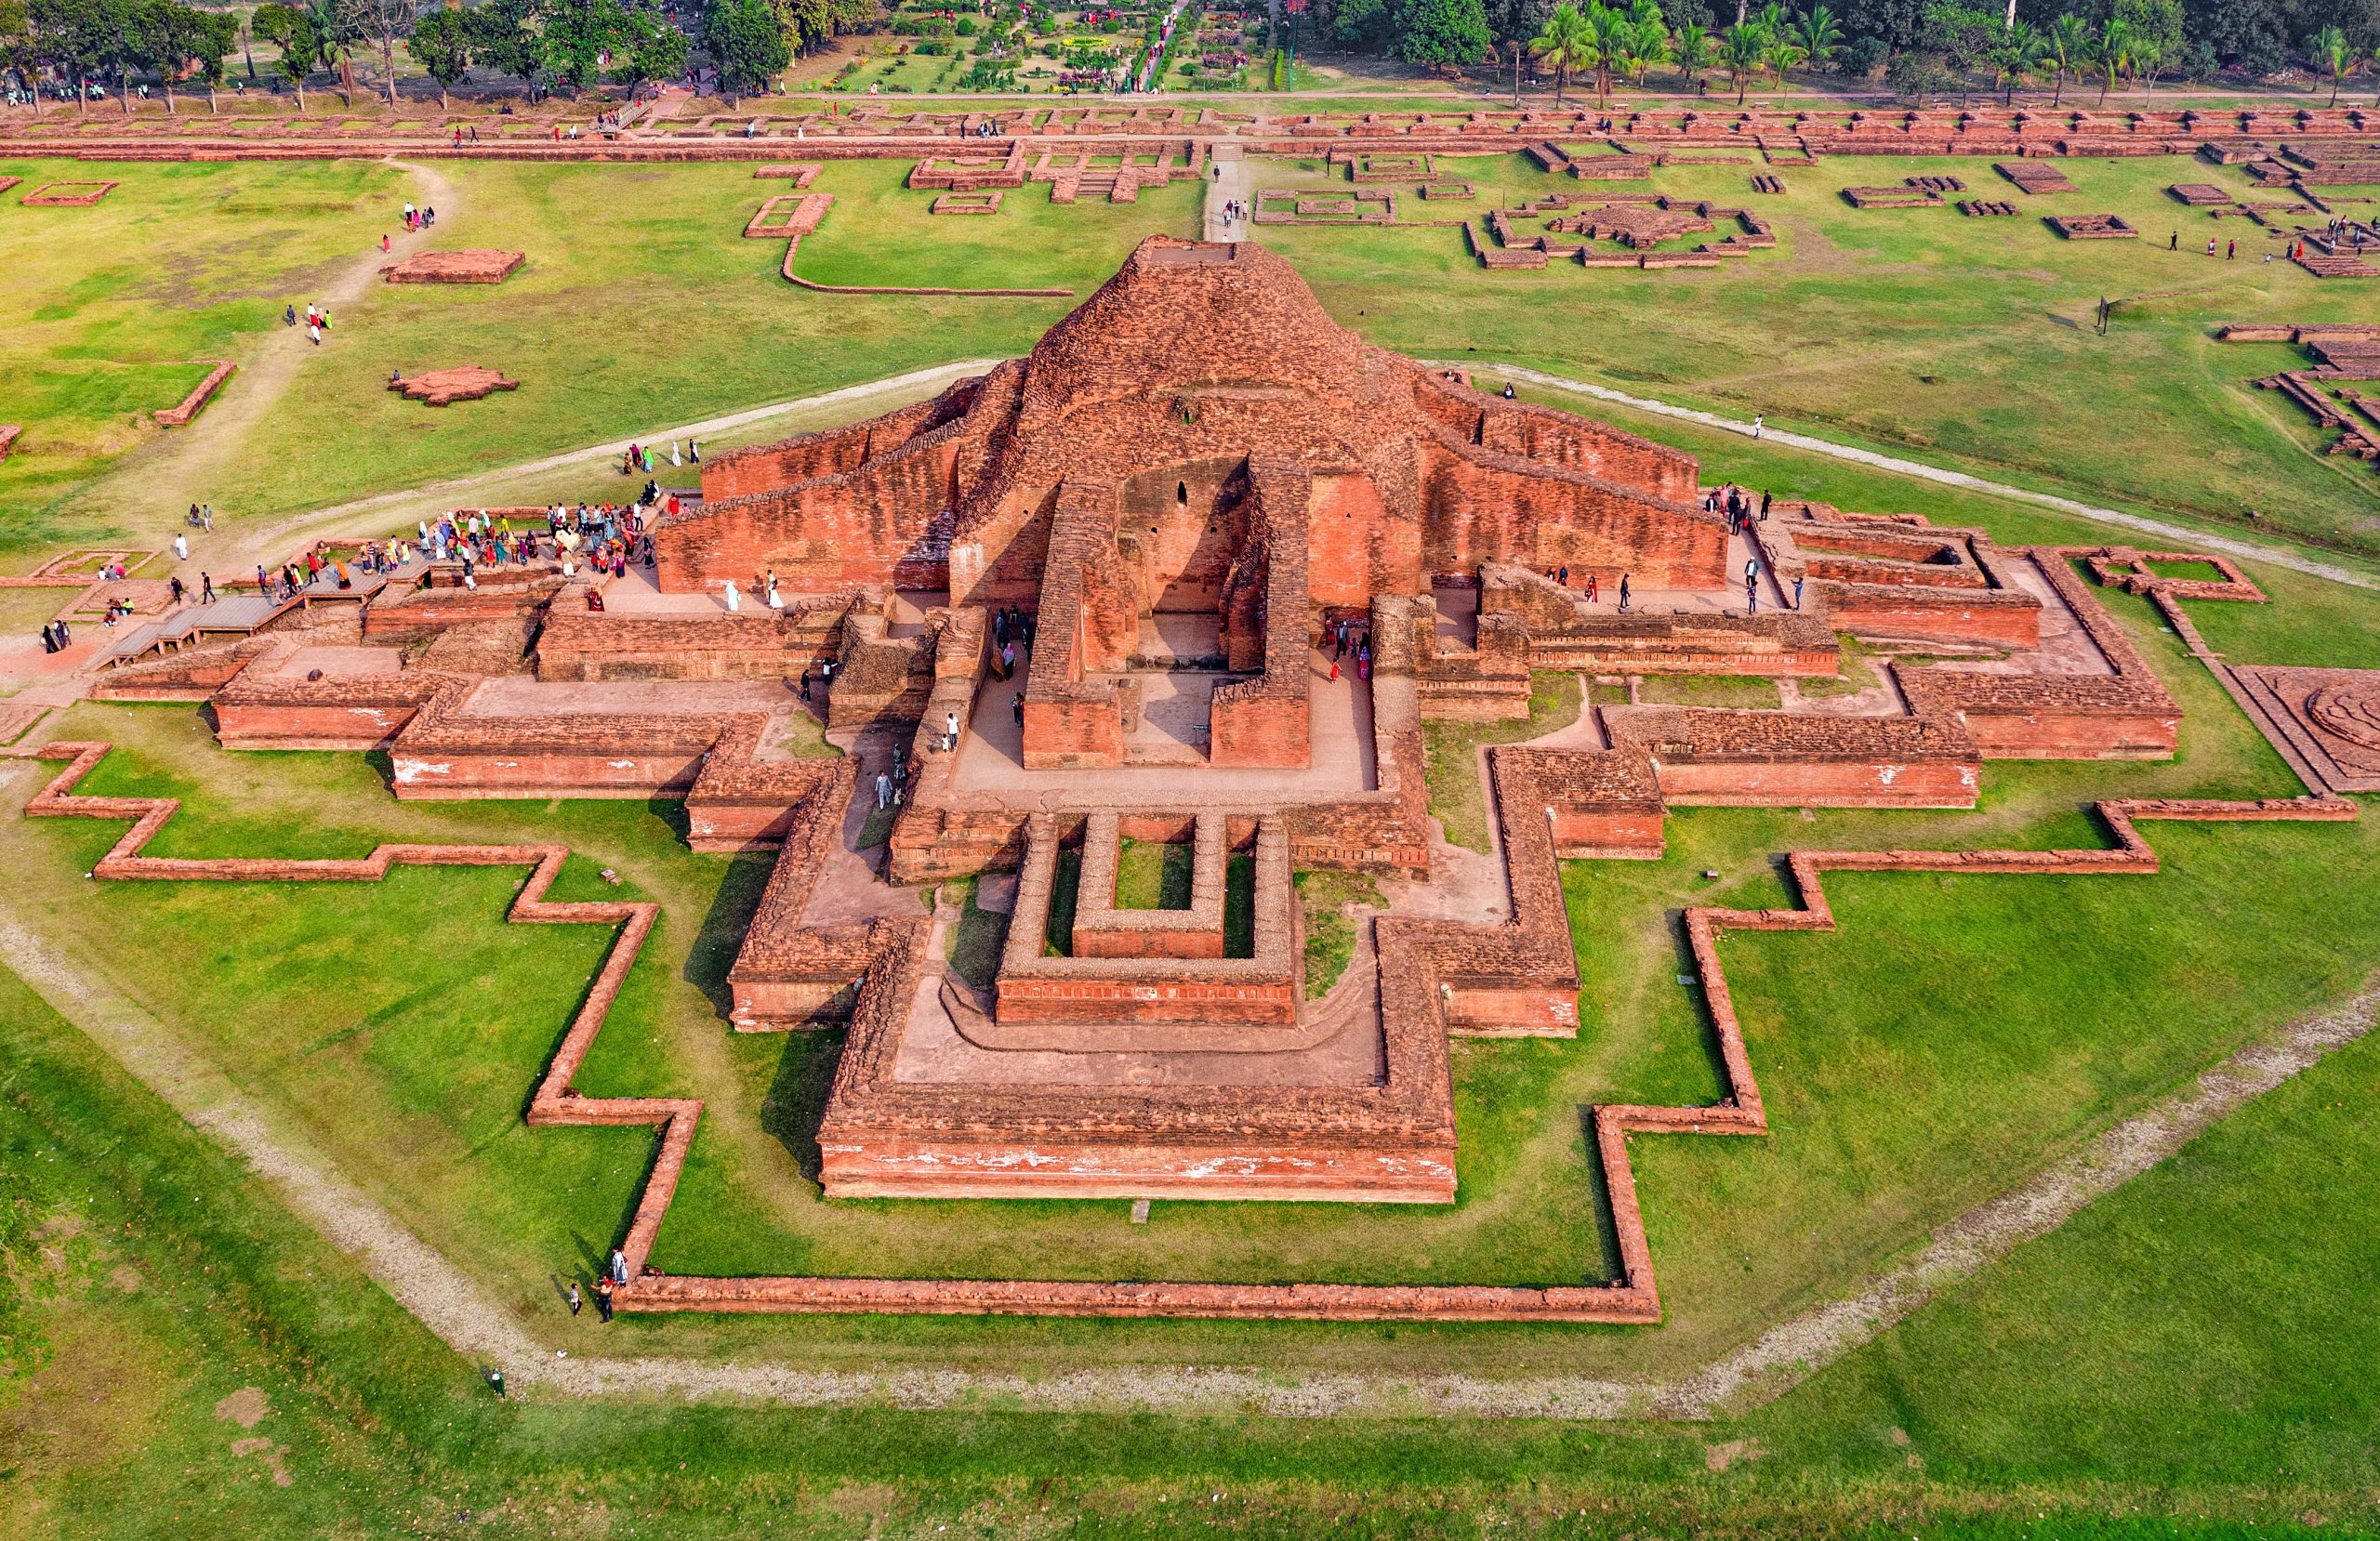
{"x": 1189, "y": 486}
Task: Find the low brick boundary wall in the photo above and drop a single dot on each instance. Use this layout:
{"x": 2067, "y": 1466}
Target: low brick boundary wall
{"x": 180, "y": 415}
{"x": 46, "y": 195}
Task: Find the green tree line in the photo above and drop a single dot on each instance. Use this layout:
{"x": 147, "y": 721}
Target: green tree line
{"x": 120, "y": 46}
{"x": 1924, "y": 47}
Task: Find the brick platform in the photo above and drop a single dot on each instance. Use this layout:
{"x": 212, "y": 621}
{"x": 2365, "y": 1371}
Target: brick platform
{"x": 461, "y": 267}
{"x": 440, "y": 387}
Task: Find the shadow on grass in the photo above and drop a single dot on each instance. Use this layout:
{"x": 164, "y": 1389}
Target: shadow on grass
{"x": 1707, "y": 1040}
{"x": 1606, "y": 1228}
{"x": 724, "y": 926}
{"x": 796, "y": 1103}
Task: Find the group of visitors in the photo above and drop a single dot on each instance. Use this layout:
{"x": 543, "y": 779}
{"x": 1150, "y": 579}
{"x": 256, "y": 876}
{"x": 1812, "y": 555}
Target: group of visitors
{"x": 1349, "y": 634}
{"x": 318, "y": 321}
{"x": 56, "y": 636}
{"x": 1010, "y": 627}
{"x": 891, "y": 782}
{"x": 181, "y": 590}
{"x": 1235, "y": 210}
{"x": 639, "y": 458}
{"x": 826, "y": 672}
{"x": 420, "y": 218}
{"x": 1730, "y": 501}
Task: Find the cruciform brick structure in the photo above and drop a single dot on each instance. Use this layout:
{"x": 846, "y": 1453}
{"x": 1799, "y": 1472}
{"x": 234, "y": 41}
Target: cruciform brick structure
{"x": 1193, "y": 432}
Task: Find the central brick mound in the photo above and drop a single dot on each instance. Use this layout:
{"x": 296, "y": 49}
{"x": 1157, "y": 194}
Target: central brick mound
{"x": 475, "y": 266}
{"x": 440, "y": 387}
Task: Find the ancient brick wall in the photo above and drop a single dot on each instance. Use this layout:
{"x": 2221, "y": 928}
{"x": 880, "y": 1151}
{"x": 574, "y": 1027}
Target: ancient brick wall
{"x": 1267, "y": 720}
{"x": 1501, "y": 508}
{"x": 1767, "y": 758}
{"x": 759, "y": 644}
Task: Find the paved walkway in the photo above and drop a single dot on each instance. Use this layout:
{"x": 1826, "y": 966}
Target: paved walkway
{"x": 2180, "y": 535}
{"x": 1227, "y": 183}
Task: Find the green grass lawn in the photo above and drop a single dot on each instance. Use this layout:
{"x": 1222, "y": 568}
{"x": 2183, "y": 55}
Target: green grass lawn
{"x": 1961, "y": 341}
{"x": 640, "y": 305}
{"x": 1955, "y": 339}
{"x": 1153, "y": 874}
{"x": 113, "y": 307}
{"x": 1450, "y": 760}
{"x": 2190, "y": 1326}
{"x": 1329, "y": 932}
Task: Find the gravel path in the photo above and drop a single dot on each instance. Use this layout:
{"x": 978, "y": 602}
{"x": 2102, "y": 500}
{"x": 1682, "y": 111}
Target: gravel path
{"x": 454, "y": 1307}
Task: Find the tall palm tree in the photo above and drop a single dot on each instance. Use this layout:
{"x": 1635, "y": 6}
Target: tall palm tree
{"x": 1609, "y": 36}
{"x": 2067, "y": 46}
{"x": 2330, "y": 50}
{"x": 2018, "y": 52}
{"x": 1690, "y": 48}
{"x": 1819, "y": 34}
{"x": 1742, "y": 50}
{"x": 1648, "y": 38}
{"x": 2111, "y": 55}
{"x": 1564, "y": 42}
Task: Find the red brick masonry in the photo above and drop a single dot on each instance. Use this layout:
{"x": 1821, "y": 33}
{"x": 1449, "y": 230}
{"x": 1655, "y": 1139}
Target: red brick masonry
{"x": 181, "y": 412}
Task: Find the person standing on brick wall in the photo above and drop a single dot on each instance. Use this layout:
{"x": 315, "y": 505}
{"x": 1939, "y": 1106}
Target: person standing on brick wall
{"x": 950, "y": 730}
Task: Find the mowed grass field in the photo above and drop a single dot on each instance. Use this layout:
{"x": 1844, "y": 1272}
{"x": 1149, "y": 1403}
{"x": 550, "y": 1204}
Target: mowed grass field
{"x": 1966, "y": 342}
{"x": 641, "y": 305}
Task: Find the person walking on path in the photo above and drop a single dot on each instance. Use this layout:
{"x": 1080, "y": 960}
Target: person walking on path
{"x": 1016, "y": 705}
{"x": 1623, "y": 592}
{"x": 206, "y": 589}
{"x": 883, "y": 790}
{"x": 951, "y": 730}
{"x": 734, "y": 600}
{"x": 1797, "y": 593}
{"x": 1758, "y": 423}
{"x": 181, "y": 548}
